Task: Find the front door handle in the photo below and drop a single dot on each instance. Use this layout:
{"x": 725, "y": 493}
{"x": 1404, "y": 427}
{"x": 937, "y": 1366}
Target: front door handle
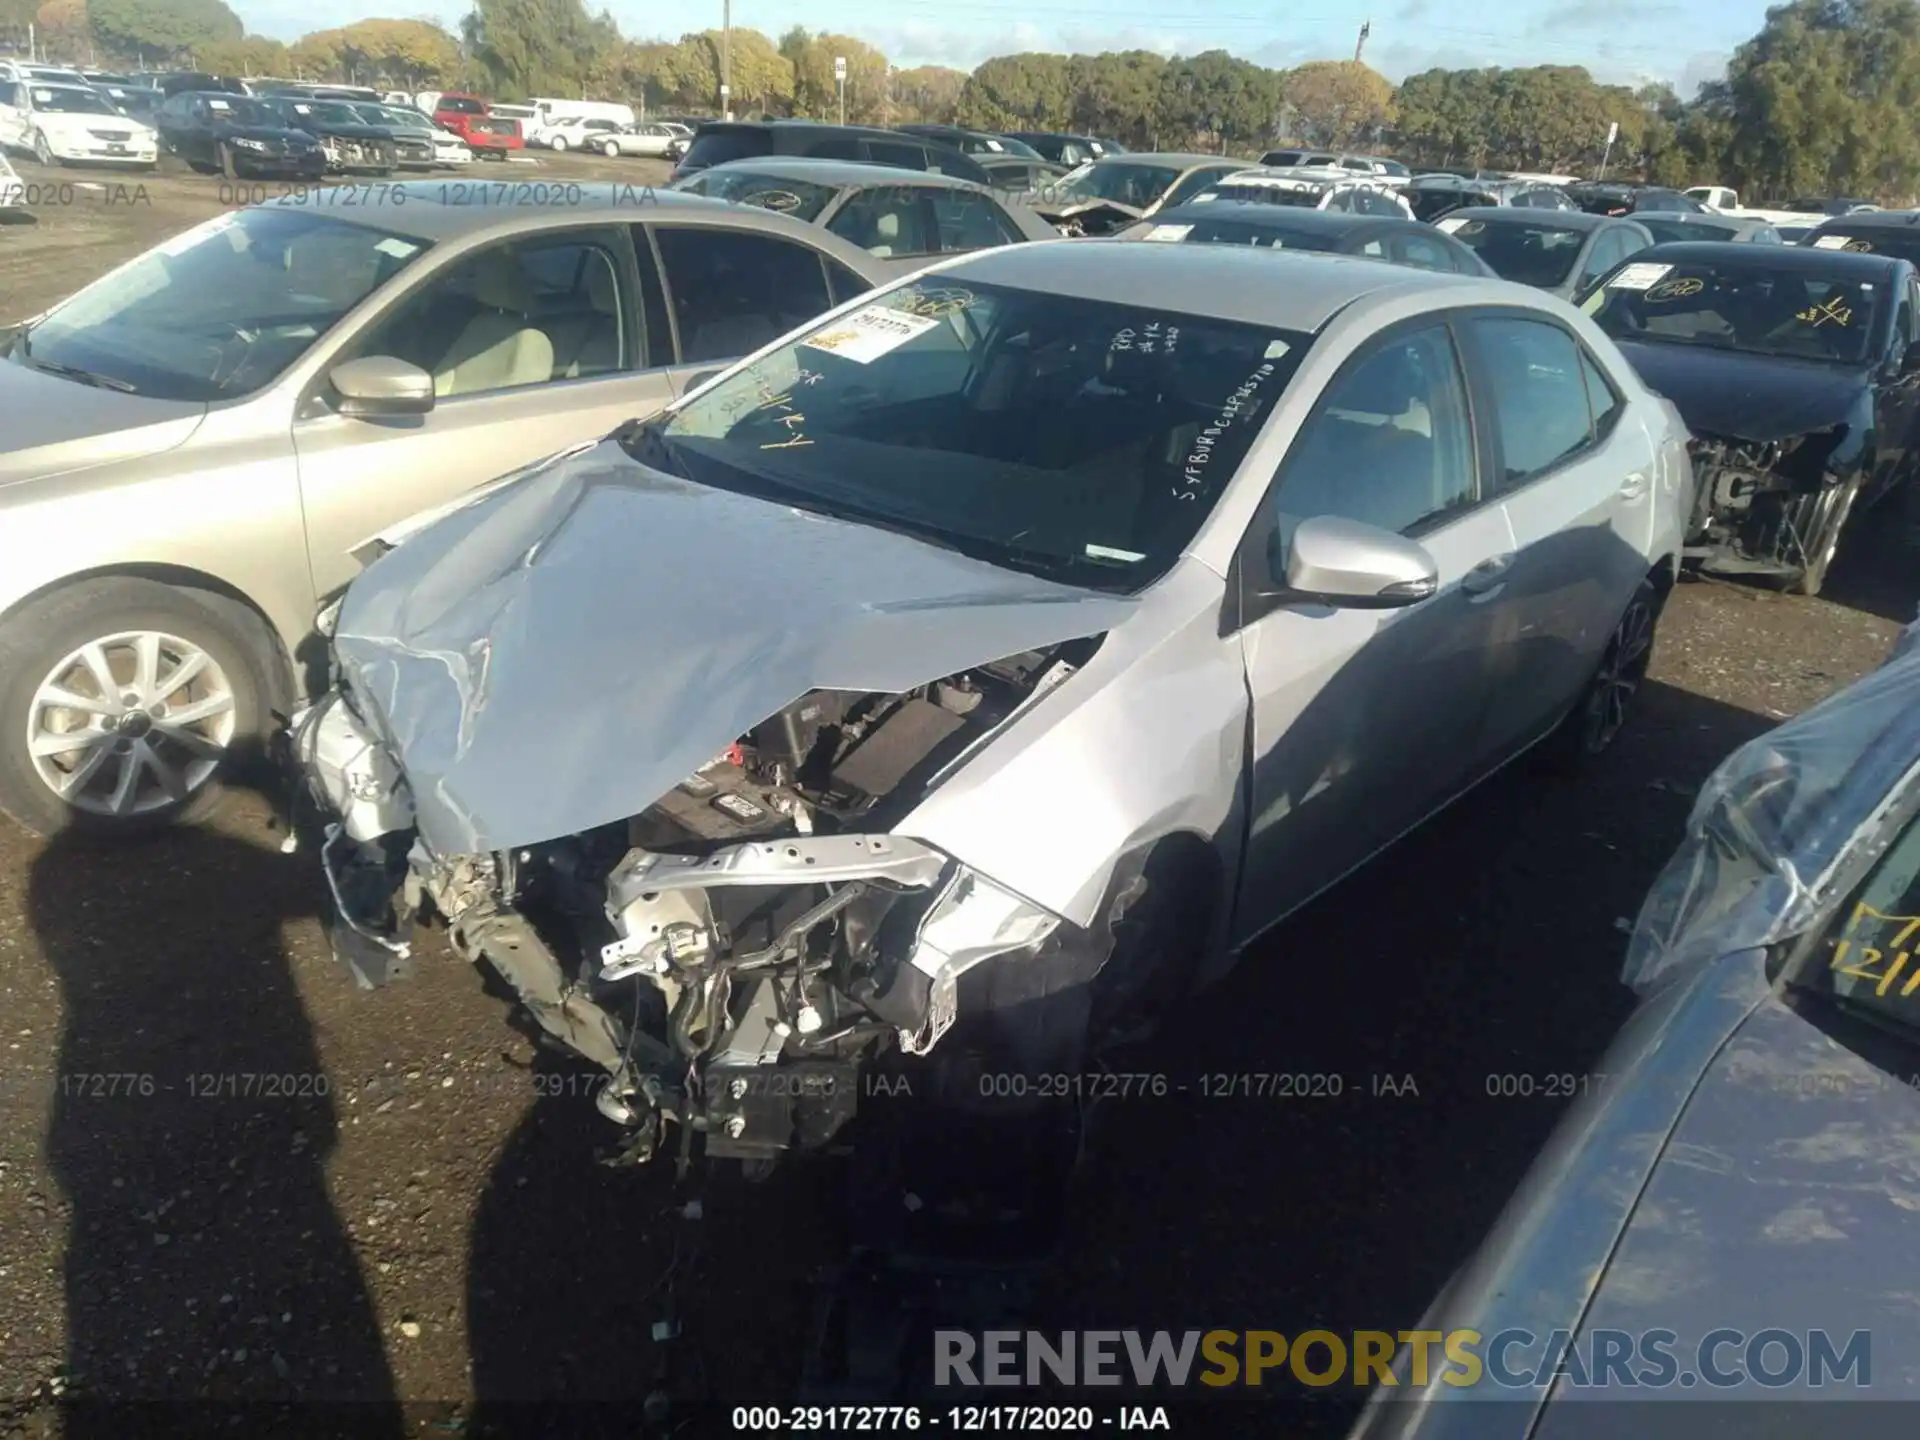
{"x": 1488, "y": 578}
{"x": 1633, "y": 487}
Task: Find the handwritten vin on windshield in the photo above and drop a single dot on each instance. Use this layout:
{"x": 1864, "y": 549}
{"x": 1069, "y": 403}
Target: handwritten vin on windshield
{"x": 1237, "y": 405}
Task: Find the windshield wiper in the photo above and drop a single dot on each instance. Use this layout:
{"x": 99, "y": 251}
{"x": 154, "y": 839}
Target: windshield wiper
{"x": 74, "y": 372}
{"x": 646, "y": 441}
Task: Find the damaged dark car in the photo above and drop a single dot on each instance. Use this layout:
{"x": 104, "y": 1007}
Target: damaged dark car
{"x": 1798, "y": 373}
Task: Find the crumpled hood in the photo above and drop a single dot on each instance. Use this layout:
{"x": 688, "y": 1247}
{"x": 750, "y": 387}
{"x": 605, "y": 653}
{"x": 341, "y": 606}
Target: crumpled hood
{"x": 563, "y": 651}
{"x": 1747, "y": 397}
{"x": 53, "y": 426}
{"x": 1066, "y": 210}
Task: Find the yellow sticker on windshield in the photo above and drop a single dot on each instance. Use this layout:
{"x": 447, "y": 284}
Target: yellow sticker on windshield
{"x": 1676, "y": 289}
{"x": 1827, "y": 312}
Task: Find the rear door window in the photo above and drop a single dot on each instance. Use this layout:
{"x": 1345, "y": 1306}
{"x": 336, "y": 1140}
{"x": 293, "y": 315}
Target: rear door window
{"x": 733, "y": 291}
{"x": 1423, "y": 253}
{"x": 967, "y": 221}
{"x": 1536, "y": 373}
{"x": 886, "y": 221}
{"x": 716, "y": 147}
{"x": 887, "y": 152}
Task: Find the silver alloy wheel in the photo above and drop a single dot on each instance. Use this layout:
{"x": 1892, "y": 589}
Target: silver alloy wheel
{"x": 130, "y": 723}
{"x": 1619, "y": 677}
{"x": 559, "y": 143}
{"x": 611, "y": 149}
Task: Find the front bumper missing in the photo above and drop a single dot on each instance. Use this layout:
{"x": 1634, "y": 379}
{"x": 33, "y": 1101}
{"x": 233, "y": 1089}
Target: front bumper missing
{"x": 758, "y": 1047}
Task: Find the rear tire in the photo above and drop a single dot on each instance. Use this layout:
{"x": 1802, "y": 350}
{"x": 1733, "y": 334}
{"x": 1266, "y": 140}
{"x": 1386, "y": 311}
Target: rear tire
{"x": 152, "y": 755}
{"x": 1592, "y": 726}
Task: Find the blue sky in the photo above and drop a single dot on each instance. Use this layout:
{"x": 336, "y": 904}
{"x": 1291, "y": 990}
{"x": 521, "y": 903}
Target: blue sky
{"x": 1622, "y": 41}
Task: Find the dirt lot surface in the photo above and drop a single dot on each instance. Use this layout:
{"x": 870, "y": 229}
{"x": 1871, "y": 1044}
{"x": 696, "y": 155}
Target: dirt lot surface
{"x": 225, "y": 1172}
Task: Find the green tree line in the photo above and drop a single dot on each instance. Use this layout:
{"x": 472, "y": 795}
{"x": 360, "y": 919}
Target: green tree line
{"x": 1817, "y": 102}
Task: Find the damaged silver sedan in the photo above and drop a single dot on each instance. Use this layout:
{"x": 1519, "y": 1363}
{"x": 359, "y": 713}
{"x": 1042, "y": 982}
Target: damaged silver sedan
{"x": 966, "y": 677}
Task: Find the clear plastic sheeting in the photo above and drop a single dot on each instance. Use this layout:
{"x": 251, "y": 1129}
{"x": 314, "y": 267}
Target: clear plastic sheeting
{"x": 1780, "y": 822}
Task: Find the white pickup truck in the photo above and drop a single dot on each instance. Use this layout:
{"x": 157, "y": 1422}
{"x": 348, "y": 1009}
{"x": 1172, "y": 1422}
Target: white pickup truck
{"x": 1723, "y": 201}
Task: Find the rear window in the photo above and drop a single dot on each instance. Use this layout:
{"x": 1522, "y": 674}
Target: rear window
{"x": 461, "y": 105}
{"x": 1892, "y": 242}
{"x": 716, "y": 147}
{"x": 1431, "y": 204}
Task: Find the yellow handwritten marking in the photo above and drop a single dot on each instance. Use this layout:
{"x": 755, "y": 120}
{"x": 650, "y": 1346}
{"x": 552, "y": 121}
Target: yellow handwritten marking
{"x": 1828, "y": 310}
{"x": 1862, "y": 970}
{"x": 1676, "y": 289}
{"x": 934, "y": 304}
{"x": 834, "y": 339}
{"x": 1872, "y": 956}
{"x": 1893, "y": 970}
{"x": 773, "y": 400}
{"x": 1910, "y": 925}
{"x": 793, "y": 444}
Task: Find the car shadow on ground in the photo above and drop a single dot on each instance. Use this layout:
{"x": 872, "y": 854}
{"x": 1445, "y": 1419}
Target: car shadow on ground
{"x": 191, "y": 1124}
{"x": 1485, "y": 945}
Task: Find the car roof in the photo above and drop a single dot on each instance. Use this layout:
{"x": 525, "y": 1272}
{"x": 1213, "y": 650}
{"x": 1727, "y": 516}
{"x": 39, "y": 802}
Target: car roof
{"x": 1280, "y": 290}
{"x": 1871, "y": 219}
{"x": 428, "y": 210}
{"x": 1782, "y": 257}
{"x": 822, "y": 171}
{"x": 1532, "y": 214}
{"x": 1185, "y": 160}
{"x": 1284, "y": 217}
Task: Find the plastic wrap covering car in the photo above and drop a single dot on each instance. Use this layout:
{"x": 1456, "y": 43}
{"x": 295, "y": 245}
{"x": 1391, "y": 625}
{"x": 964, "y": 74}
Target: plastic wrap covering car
{"x": 1784, "y": 822}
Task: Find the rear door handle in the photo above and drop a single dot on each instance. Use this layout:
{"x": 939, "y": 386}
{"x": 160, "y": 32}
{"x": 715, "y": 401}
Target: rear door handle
{"x": 1488, "y": 578}
{"x": 1633, "y": 487}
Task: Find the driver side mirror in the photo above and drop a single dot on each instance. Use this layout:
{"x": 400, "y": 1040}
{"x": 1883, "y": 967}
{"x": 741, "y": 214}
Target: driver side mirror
{"x": 379, "y": 386}
{"x": 1355, "y": 566}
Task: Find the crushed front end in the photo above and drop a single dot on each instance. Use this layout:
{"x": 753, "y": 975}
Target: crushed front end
{"x": 738, "y": 953}
{"x": 1775, "y": 508}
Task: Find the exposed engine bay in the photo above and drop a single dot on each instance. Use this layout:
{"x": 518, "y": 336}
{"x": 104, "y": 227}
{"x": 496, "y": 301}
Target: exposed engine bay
{"x": 736, "y": 953}
{"x": 1767, "y": 507}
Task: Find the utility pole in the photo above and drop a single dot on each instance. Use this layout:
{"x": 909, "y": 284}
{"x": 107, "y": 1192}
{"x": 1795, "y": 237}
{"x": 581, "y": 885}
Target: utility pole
{"x": 840, "y": 82}
{"x": 726, "y": 55}
{"x": 1366, "y": 29}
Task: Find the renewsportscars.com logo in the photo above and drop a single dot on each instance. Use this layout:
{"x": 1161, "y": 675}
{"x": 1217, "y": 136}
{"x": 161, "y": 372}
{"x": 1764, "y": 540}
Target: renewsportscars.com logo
{"x": 1463, "y": 1359}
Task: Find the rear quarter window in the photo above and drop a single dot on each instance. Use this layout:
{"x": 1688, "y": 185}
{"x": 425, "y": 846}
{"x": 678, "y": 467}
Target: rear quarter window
{"x": 716, "y": 147}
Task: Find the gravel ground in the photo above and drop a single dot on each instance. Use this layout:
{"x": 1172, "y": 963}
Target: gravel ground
{"x": 226, "y": 1173}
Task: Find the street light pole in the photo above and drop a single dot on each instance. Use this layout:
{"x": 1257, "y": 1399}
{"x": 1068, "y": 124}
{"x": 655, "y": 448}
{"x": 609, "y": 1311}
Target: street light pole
{"x": 726, "y": 55}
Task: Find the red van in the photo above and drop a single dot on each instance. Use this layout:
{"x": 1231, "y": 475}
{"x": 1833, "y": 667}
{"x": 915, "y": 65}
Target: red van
{"x": 471, "y": 118}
